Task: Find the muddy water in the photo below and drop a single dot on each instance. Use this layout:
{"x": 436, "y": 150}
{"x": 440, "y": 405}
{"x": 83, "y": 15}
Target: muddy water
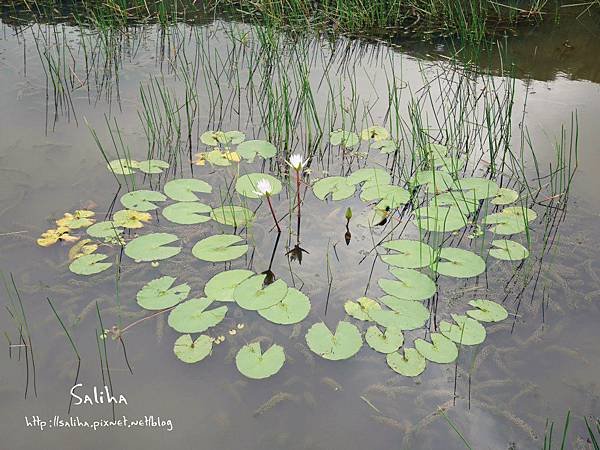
{"x": 538, "y": 364}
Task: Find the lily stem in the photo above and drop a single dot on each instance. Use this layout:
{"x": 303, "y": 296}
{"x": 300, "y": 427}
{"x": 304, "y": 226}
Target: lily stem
{"x": 273, "y": 213}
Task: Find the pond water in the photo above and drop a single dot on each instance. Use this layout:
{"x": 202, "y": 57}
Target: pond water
{"x": 61, "y": 85}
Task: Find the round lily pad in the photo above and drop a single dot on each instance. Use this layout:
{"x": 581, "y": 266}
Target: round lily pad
{"x": 440, "y": 350}
{"x": 403, "y": 315}
{"x": 190, "y": 351}
{"x": 253, "y": 363}
{"x": 219, "y": 248}
{"x": 89, "y": 264}
{"x": 466, "y": 331}
{"x": 385, "y": 146}
{"x": 389, "y": 196}
{"x": 184, "y": 190}
{"x": 187, "y": 213}
{"x": 152, "y": 247}
{"x": 152, "y": 166}
{"x": 487, "y": 311}
{"x": 142, "y": 200}
{"x": 222, "y": 285}
{"x": 122, "y": 166}
{"x": 374, "y": 176}
{"x": 434, "y": 151}
{"x": 339, "y": 188}
{"x": 384, "y": 342}
{"x": 374, "y": 132}
{"x": 294, "y": 308}
{"x": 235, "y": 216}
{"x": 161, "y": 294}
{"x": 346, "y": 139}
{"x": 361, "y": 308}
{"x": 104, "y": 230}
{"x": 458, "y": 199}
{"x": 505, "y": 224}
{"x": 508, "y": 250}
{"x": 410, "y": 364}
{"x": 343, "y": 344}
{"x": 411, "y": 284}
{"x": 221, "y": 158}
{"x": 527, "y": 214}
{"x": 128, "y": 218}
{"x": 435, "y": 180}
{"x": 213, "y": 138}
{"x": 459, "y": 263}
{"x": 247, "y": 185}
{"x": 478, "y": 188}
{"x": 253, "y": 295}
{"x": 439, "y": 218}
{"x": 505, "y": 196}
{"x": 192, "y": 317}
{"x": 410, "y": 254}
{"x": 249, "y": 149}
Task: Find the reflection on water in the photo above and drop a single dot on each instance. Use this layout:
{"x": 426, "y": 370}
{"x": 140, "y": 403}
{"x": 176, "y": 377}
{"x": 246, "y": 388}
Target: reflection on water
{"x": 539, "y": 363}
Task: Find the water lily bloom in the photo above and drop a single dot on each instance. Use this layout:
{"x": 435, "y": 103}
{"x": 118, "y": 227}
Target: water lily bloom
{"x": 264, "y": 188}
{"x": 297, "y": 162}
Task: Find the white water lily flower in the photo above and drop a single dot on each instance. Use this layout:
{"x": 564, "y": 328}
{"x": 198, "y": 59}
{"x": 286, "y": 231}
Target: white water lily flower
{"x": 297, "y": 162}
{"x": 263, "y": 187}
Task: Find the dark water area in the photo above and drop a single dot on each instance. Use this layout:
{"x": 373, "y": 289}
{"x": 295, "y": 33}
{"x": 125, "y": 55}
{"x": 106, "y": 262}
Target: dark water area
{"x": 60, "y": 84}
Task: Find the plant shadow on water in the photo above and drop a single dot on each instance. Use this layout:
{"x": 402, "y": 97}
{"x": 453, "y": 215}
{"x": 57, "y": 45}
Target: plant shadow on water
{"x": 183, "y": 294}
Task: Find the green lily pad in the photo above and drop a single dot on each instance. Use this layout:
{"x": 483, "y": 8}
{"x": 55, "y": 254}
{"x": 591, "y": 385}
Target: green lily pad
{"x": 253, "y": 295}
{"x": 187, "y": 213}
{"x": 449, "y": 164}
{"x": 158, "y": 294}
{"x": 385, "y": 146}
{"x": 234, "y": 137}
{"x": 487, "y": 311}
{"x": 232, "y": 215}
{"x": 439, "y": 218}
{"x": 409, "y": 364}
{"x": 142, "y": 200}
{"x": 361, "y": 308}
{"x": 214, "y": 138}
{"x": 346, "y": 139}
{"x": 339, "y": 188}
{"x": 411, "y": 284}
{"x": 343, "y": 344}
{"x": 249, "y": 149}
{"x": 433, "y": 151}
{"x": 459, "y": 263}
{"x": 458, "y": 199}
{"x": 190, "y": 351}
{"x": 219, "y": 248}
{"x": 387, "y": 342}
{"x": 374, "y": 176}
{"x": 128, "y": 218}
{"x": 505, "y": 224}
{"x": 404, "y": 314}
{"x": 221, "y": 286}
{"x": 440, "y": 350}
{"x": 152, "y": 166}
{"x": 435, "y": 180}
{"x": 220, "y": 158}
{"x": 253, "y": 363}
{"x": 122, "y": 166}
{"x": 152, "y": 247}
{"x": 508, "y": 250}
{"x": 294, "y": 308}
{"x": 411, "y": 254}
{"x": 479, "y": 188}
{"x": 104, "y": 230}
{"x": 247, "y": 185}
{"x": 192, "y": 317}
{"x": 388, "y": 195}
{"x": 466, "y": 331}
{"x": 183, "y": 190}
{"x": 374, "y": 132}
{"x": 505, "y": 196}
{"x": 89, "y": 264}
{"x": 521, "y": 212}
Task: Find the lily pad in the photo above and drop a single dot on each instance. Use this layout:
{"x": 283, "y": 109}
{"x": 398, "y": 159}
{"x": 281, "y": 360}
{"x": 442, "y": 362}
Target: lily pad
{"x": 374, "y": 132}
{"x": 221, "y": 286}
{"x": 152, "y": 247}
{"x": 294, "y": 308}
{"x": 487, "y": 311}
{"x": 253, "y": 295}
{"x": 128, "y": 218}
{"x": 440, "y": 350}
{"x": 521, "y": 212}
{"x": 433, "y": 151}
{"x": 219, "y": 248}
{"x": 361, "y": 308}
{"x": 159, "y": 294}
{"x": 505, "y": 224}
{"x": 466, "y": 331}
{"x": 439, "y": 218}
{"x": 142, "y": 200}
{"x": 385, "y": 146}
{"x": 346, "y": 139}
{"x": 411, "y": 284}
{"x": 81, "y": 219}
{"x": 190, "y": 351}
{"x": 459, "y": 263}
{"x": 508, "y": 250}
{"x": 122, "y": 166}
{"x": 104, "y": 230}
{"x": 253, "y": 363}
{"x": 183, "y": 190}
{"x": 249, "y": 149}
{"x": 192, "y": 317}
{"x": 458, "y": 199}
{"x": 89, "y": 264}
{"x": 152, "y": 166}
{"x": 247, "y": 185}
{"x": 213, "y": 138}
{"x": 409, "y": 364}
{"x": 343, "y": 344}
{"x": 374, "y": 176}
{"x": 410, "y": 254}
{"x": 505, "y": 196}
{"x": 404, "y": 314}
{"x": 221, "y": 158}
{"x": 435, "y": 180}
{"x": 384, "y": 342}
{"x": 232, "y": 215}
{"x": 478, "y": 188}
{"x": 389, "y": 196}
{"x": 339, "y": 188}
{"x": 187, "y": 213}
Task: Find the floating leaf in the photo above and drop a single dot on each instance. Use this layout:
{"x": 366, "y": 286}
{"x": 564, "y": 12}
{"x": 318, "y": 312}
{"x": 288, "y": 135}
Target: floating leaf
{"x": 466, "y": 331}
{"x": 374, "y": 132}
{"x": 183, "y": 190}
{"x": 190, "y": 351}
{"x": 158, "y": 294}
{"x": 235, "y": 216}
{"x": 255, "y": 364}
{"x": 294, "y": 308}
{"x": 439, "y": 218}
{"x": 249, "y": 149}
{"x": 404, "y": 314}
{"x": 122, "y": 166}
{"x": 345, "y": 343}
{"x": 152, "y": 247}
{"x": 192, "y": 317}
{"x": 487, "y": 311}
{"x": 213, "y": 138}
{"x": 361, "y": 308}
{"x": 441, "y": 349}
{"x": 458, "y": 199}
{"x": 104, "y": 230}
{"x": 187, "y": 213}
{"x": 221, "y": 286}
{"x": 372, "y": 176}
{"x": 412, "y": 285}
{"x": 247, "y": 185}
{"x": 89, "y": 264}
{"x": 152, "y": 166}
{"x": 508, "y": 250}
{"x": 411, "y": 254}
{"x": 343, "y": 138}
{"x": 80, "y": 219}
{"x": 128, "y": 218}
{"x": 385, "y": 146}
{"x": 505, "y": 196}
{"x": 434, "y": 151}
{"x": 388, "y": 195}
{"x": 221, "y": 158}
{"x": 339, "y": 188}
{"x": 505, "y": 223}
{"x": 435, "y": 180}
{"x": 253, "y": 295}
{"x": 142, "y": 200}
{"x": 527, "y": 214}
{"x": 410, "y": 364}
{"x": 52, "y": 236}
{"x": 478, "y": 188}
{"x": 459, "y": 263}
{"x": 219, "y": 248}
{"x": 389, "y": 341}
{"x": 234, "y": 137}
{"x": 449, "y": 164}
{"x": 83, "y": 247}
